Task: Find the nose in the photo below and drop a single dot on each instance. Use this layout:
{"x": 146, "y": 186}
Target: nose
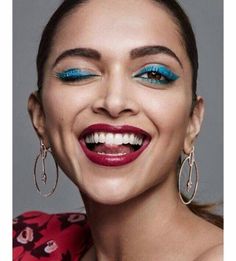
{"x": 116, "y": 98}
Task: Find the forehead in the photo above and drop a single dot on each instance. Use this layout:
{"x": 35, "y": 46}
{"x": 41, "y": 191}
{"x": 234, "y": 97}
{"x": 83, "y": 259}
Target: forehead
{"x": 118, "y": 26}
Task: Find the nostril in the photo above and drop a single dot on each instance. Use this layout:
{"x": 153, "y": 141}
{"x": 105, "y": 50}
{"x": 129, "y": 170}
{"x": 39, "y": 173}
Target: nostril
{"x": 101, "y": 111}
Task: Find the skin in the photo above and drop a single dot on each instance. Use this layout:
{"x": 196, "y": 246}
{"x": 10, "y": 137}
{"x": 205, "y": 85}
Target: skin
{"x": 134, "y": 210}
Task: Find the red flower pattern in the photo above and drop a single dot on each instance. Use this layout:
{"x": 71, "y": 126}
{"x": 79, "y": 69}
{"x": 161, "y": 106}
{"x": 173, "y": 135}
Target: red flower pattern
{"x": 73, "y": 218}
{"x": 26, "y": 236}
{"x": 55, "y": 237}
{"x": 50, "y": 247}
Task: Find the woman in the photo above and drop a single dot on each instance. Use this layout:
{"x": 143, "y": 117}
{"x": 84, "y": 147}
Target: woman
{"x": 117, "y": 105}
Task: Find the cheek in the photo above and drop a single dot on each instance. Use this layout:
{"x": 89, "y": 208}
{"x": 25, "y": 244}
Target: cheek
{"x": 169, "y": 114}
{"x": 63, "y": 108}
{"x": 168, "y": 111}
{"x": 62, "y": 105}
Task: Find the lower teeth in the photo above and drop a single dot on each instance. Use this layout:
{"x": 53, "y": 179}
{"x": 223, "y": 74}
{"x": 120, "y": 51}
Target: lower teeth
{"x": 117, "y": 154}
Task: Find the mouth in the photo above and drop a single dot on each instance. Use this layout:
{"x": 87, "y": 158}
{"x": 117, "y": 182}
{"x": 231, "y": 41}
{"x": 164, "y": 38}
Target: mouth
{"x": 109, "y": 145}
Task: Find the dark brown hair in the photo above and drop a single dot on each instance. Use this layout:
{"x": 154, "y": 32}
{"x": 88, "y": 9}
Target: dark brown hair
{"x": 185, "y": 29}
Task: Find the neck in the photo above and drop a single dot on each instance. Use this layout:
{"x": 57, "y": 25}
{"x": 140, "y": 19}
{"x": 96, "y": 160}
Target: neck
{"x": 139, "y": 227}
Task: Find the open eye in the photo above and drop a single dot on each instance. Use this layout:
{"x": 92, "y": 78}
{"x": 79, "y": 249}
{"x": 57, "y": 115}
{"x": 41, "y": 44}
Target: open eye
{"x": 75, "y": 75}
{"x": 156, "y": 74}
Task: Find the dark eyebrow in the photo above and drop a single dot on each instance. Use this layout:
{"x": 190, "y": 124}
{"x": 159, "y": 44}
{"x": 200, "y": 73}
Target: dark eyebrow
{"x": 82, "y": 52}
{"x": 151, "y": 50}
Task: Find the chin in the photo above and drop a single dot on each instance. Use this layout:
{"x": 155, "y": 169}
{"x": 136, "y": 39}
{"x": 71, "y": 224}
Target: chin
{"x": 107, "y": 195}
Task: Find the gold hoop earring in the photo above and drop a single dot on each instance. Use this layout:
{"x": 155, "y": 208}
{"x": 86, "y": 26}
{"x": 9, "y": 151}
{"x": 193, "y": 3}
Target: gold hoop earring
{"x": 192, "y": 165}
{"x": 43, "y": 155}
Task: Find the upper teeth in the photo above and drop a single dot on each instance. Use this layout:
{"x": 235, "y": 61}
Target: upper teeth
{"x": 114, "y": 138}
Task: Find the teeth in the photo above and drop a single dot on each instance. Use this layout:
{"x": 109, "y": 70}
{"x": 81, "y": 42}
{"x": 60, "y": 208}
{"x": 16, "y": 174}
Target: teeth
{"x": 96, "y": 137}
{"x": 118, "y": 140}
{"x": 126, "y": 138}
{"x": 116, "y": 154}
{"x": 89, "y": 139}
{"x": 114, "y": 138}
{"x": 109, "y": 138}
{"x": 102, "y": 137}
{"x": 131, "y": 139}
{"x": 140, "y": 141}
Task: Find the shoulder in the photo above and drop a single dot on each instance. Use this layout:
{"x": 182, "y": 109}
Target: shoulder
{"x": 214, "y": 253}
{"x": 50, "y": 236}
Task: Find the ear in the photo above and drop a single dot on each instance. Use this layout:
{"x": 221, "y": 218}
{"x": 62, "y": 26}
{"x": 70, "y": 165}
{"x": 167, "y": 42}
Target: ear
{"x": 37, "y": 116}
{"x": 194, "y": 125}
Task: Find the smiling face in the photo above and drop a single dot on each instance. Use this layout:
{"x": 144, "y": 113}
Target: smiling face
{"x": 117, "y": 63}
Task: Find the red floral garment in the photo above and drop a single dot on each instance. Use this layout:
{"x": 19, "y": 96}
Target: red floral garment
{"x": 55, "y": 237}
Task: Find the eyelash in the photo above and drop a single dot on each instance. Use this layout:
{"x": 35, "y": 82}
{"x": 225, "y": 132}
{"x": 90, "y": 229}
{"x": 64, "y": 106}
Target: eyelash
{"x": 164, "y": 74}
{"x": 74, "y": 75}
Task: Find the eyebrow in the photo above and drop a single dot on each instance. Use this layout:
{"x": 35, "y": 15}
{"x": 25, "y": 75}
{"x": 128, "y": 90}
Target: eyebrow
{"x": 152, "y": 50}
{"x": 82, "y": 52}
{"x": 134, "y": 54}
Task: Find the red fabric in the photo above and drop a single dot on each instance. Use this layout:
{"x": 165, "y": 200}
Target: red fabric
{"x": 55, "y": 237}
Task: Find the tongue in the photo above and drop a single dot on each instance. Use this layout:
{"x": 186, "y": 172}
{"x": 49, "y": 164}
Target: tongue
{"x": 113, "y": 149}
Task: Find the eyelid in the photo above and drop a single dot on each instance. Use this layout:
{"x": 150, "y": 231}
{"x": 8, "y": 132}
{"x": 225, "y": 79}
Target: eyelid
{"x": 160, "y": 68}
{"x": 75, "y": 72}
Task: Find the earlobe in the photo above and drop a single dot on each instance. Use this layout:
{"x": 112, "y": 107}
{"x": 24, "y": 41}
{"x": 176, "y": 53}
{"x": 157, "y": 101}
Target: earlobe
{"x": 194, "y": 125}
{"x": 37, "y": 116}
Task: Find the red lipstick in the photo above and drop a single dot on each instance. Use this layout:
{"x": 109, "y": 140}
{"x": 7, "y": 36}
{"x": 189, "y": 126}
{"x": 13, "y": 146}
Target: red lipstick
{"x": 109, "y": 159}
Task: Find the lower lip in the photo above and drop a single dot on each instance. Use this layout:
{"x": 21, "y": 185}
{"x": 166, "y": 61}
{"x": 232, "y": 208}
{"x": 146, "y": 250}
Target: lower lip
{"x": 111, "y": 161}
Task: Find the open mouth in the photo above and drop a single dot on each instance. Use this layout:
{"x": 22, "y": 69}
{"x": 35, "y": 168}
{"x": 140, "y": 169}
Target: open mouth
{"x": 113, "y": 145}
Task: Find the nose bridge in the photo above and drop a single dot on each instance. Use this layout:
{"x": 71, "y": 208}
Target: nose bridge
{"x": 116, "y": 88}
{"x": 116, "y": 98}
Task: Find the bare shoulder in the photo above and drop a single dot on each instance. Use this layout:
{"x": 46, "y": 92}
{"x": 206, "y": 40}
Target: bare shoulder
{"x": 214, "y": 253}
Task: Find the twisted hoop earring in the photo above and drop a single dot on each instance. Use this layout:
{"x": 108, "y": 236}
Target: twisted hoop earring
{"x": 43, "y": 155}
{"x": 190, "y": 159}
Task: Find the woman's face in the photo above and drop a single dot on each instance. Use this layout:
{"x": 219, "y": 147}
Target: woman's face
{"x": 128, "y": 67}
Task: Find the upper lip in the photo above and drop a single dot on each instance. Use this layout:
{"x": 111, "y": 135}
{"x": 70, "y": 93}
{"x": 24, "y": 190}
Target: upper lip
{"x": 100, "y": 127}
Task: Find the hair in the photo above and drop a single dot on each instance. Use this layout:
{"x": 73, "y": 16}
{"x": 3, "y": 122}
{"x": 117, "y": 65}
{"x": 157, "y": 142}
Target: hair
{"x": 189, "y": 42}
